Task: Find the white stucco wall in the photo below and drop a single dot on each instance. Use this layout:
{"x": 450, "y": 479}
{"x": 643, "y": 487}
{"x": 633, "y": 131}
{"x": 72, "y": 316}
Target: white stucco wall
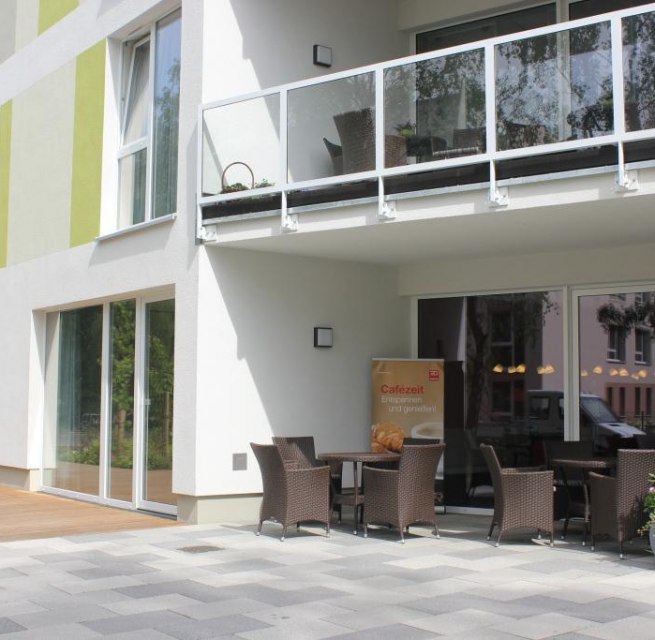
{"x": 250, "y": 45}
{"x": 262, "y": 376}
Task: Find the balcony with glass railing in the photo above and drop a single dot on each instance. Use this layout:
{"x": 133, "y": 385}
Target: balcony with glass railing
{"x": 573, "y": 97}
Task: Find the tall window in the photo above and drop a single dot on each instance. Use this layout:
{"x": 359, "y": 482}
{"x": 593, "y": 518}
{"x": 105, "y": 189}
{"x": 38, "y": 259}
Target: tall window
{"x": 149, "y": 128}
{"x": 616, "y": 344}
{"x": 642, "y": 346}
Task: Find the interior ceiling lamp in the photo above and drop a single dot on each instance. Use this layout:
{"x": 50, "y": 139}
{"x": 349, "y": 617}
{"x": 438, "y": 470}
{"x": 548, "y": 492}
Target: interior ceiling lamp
{"x": 498, "y": 368}
{"x": 545, "y": 369}
{"x": 597, "y": 369}
{"x": 511, "y": 369}
{"x": 635, "y": 376}
{"x": 614, "y": 372}
{"x": 643, "y": 373}
{"x": 520, "y": 368}
{"x": 623, "y": 372}
{"x": 584, "y": 373}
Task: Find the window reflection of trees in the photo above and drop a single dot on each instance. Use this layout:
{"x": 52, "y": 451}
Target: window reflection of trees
{"x": 639, "y": 83}
{"x": 560, "y": 82}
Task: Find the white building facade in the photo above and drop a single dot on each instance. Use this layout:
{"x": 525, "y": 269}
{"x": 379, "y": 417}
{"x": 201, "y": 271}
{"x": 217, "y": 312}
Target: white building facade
{"x": 188, "y": 188}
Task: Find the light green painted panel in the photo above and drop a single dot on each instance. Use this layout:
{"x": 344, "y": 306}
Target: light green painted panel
{"x": 52, "y": 11}
{"x": 87, "y": 145}
{"x": 5, "y": 148}
{"x": 42, "y": 128}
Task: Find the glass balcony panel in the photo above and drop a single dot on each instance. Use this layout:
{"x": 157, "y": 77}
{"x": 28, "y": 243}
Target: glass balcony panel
{"x": 639, "y": 79}
{"x": 437, "y": 106}
{"x": 332, "y": 128}
{"x": 241, "y": 146}
{"x": 554, "y": 87}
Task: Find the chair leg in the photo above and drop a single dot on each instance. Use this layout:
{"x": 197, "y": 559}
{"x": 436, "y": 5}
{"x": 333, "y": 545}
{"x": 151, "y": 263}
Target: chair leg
{"x": 566, "y": 527}
{"x": 259, "y": 529}
{"x": 366, "y": 529}
{"x": 435, "y": 531}
{"x": 284, "y": 533}
{"x": 327, "y": 529}
{"x": 402, "y": 536}
{"x": 491, "y": 529}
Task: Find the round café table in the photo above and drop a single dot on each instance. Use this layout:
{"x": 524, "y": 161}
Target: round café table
{"x": 357, "y": 458}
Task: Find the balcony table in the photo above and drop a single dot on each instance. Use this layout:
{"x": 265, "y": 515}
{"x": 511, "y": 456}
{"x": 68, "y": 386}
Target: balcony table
{"x": 357, "y": 458}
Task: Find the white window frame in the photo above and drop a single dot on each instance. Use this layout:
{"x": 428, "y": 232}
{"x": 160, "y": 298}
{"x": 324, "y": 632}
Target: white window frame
{"x": 128, "y": 52}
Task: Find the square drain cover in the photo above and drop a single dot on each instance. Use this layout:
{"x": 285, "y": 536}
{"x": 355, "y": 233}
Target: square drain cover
{"x": 200, "y": 548}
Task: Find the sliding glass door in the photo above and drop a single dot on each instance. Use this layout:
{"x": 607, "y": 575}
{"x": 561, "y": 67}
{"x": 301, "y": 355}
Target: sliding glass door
{"x": 72, "y": 438}
{"x": 109, "y": 403}
{"x": 158, "y": 423}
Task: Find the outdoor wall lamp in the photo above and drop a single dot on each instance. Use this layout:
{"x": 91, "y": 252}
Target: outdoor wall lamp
{"x": 323, "y": 337}
{"x": 322, "y": 55}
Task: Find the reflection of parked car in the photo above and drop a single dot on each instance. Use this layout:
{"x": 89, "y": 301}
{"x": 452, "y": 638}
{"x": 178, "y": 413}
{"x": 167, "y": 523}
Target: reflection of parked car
{"x": 598, "y": 423}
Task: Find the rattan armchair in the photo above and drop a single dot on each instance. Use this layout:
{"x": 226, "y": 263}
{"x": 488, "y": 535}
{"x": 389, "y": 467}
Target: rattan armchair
{"x": 291, "y": 493}
{"x": 522, "y": 499}
{"x": 617, "y": 504}
{"x": 403, "y": 496}
{"x": 301, "y": 451}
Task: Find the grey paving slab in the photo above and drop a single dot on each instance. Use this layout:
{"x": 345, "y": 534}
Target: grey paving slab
{"x": 7, "y": 625}
{"x": 143, "y": 585}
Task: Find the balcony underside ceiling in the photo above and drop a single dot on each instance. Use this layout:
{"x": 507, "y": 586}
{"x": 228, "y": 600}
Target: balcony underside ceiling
{"x": 550, "y": 217}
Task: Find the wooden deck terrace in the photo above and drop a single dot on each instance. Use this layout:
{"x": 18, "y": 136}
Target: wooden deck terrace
{"x": 30, "y": 515}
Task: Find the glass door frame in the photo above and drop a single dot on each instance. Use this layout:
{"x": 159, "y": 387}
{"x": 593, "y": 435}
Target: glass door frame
{"x": 137, "y": 501}
{"x": 140, "y": 410}
{"x": 576, "y": 293}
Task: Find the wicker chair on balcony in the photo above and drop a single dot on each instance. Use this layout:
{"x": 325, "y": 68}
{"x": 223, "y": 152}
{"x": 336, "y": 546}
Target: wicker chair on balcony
{"x": 292, "y": 493}
{"x": 522, "y": 498}
{"x": 617, "y": 504}
{"x": 357, "y": 134}
{"x": 403, "y": 496}
{"x": 301, "y": 451}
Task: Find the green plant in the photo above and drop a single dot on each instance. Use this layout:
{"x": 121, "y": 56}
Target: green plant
{"x": 649, "y": 504}
{"x": 239, "y": 186}
{"x": 406, "y": 129}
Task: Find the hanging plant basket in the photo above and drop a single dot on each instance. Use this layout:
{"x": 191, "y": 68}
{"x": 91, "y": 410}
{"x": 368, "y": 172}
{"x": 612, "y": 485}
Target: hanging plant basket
{"x": 236, "y": 186}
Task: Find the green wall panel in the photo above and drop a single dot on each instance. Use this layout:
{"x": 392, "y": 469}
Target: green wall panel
{"x": 5, "y": 148}
{"x": 52, "y": 11}
{"x": 87, "y": 145}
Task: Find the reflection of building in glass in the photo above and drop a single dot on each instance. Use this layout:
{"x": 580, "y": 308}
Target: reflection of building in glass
{"x": 616, "y": 355}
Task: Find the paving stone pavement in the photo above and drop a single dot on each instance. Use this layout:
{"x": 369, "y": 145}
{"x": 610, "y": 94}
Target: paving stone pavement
{"x": 209, "y": 581}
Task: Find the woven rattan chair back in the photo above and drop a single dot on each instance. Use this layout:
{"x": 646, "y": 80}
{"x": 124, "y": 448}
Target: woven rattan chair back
{"x": 298, "y": 449}
{"x": 357, "y": 134}
{"x": 356, "y": 131}
{"x": 417, "y": 468}
{"x": 404, "y": 496}
{"x": 489, "y": 454}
